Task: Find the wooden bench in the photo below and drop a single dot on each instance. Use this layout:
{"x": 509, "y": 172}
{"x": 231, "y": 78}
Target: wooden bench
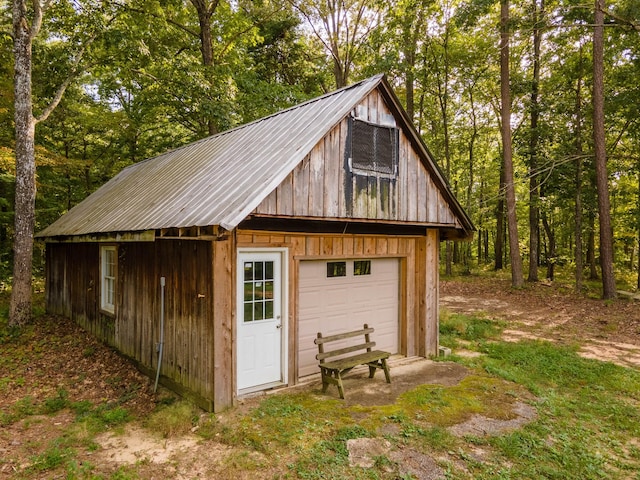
{"x": 333, "y": 370}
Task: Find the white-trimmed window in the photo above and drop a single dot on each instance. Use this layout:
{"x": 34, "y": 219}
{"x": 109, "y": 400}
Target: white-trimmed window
{"x": 107, "y": 278}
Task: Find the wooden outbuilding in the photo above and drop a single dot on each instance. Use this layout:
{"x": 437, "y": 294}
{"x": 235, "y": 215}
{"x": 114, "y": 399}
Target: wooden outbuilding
{"x": 322, "y": 217}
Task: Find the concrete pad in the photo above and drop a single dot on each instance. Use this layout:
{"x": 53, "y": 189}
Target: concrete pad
{"x": 406, "y": 374}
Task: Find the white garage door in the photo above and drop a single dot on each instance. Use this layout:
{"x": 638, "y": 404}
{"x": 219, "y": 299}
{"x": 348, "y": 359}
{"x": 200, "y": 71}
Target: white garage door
{"x": 339, "y": 296}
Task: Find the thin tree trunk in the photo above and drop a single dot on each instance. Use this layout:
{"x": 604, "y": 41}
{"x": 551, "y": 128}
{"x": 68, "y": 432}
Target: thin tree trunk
{"x": 591, "y": 248}
{"x": 499, "y": 243}
{"x": 534, "y": 187}
{"x": 578, "y": 209}
{"x": 551, "y": 247}
{"x": 638, "y": 224}
{"x": 602, "y": 179}
{"x": 517, "y": 280}
{"x": 25, "y": 197}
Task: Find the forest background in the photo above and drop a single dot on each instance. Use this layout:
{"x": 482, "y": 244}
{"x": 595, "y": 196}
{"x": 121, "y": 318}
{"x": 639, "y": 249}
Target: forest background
{"x": 116, "y": 82}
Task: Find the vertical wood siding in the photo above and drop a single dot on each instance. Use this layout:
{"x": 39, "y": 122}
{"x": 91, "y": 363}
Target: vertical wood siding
{"x": 321, "y": 185}
{"x": 73, "y": 290}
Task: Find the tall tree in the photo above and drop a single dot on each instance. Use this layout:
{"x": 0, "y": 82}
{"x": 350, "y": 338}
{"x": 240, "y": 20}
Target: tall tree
{"x": 534, "y": 187}
{"x": 507, "y": 154}
{"x": 27, "y": 24}
{"x": 24, "y": 31}
{"x": 599, "y": 144}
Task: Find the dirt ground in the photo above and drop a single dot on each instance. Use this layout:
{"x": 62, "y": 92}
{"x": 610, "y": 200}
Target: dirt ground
{"x": 60, "y": 355}
{"x": 604, "y": 330}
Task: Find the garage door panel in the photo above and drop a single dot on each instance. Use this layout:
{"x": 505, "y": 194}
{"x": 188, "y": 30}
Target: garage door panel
{"x": 333, "y": 305}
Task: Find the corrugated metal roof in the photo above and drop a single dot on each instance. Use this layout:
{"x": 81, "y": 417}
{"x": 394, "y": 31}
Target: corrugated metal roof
{"x": 221, "y": 179}
{"x": 215, "y": 181}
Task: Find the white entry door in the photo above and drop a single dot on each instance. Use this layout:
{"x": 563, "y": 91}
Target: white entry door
{"x": 260, "y": 323}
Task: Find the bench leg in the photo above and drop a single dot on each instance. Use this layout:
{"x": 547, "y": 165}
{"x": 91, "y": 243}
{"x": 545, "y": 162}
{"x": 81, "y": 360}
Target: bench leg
{"x": 386, "y": 370}
{"x": 325, "y": 383}
{"x": 339, "y": 382}
{"x": 372, "y": 371}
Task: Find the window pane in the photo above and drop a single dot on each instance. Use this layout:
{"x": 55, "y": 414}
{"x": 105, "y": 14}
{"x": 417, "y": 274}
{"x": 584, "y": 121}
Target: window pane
{"x": 268, "y": 290}
{"x": 109, "y": 291}
{"x": 336, "y": 269}
{"x": 268, "y": 270}
{"x": 362, "y": 267}
{"x": 268, "y": 309}
{"x": 259, "y": 271}
{"x": 248, "y": 291}
{"x": 248, "y": 271}
{"x": 258, "y": 311}
{"x": 248, "y": 312}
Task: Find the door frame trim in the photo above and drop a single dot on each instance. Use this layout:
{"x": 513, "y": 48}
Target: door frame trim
{"x": 284, "y": 313}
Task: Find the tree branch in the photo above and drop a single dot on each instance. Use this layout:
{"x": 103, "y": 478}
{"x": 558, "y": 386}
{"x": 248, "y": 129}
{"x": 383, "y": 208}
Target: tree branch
{"x": 63, "y": 87}
{"x": 622, "y": 20}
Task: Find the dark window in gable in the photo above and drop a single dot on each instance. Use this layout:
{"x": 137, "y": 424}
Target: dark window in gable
{"x": 373, "y": 148}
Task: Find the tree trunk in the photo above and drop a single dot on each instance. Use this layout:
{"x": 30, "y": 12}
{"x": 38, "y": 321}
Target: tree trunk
{"x": 551, "y": 247}
{"x": 517, "y": 280}
{"x": 602, "y": 179}
{"x": 534, "y": 187}
{"x": 25, "y": 196}
{"x": 591, "y": 248}
{"x": 498, "y": 246}
{"x": 205, "y": 12}
{"x": 579, "y": 153}
{"x": 638, "y": 224}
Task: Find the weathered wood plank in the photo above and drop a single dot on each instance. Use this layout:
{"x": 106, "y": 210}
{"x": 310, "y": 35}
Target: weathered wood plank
{"x": 224, "y": 262}
{"x": 284, "y": 199}
{"x": 301, "y": 188}
{"x": 316, "y": 180}
{"x": 332, "y": 165}
{"x": 433, "y": 295}
{"x": 343, "y": 175}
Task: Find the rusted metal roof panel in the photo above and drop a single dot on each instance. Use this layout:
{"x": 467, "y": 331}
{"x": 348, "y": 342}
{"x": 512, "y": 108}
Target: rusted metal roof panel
{"x": 215, "y": 181}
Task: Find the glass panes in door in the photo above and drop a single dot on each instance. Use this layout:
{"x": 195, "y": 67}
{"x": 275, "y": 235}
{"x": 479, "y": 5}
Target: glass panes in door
{"x": 258, "y": 291}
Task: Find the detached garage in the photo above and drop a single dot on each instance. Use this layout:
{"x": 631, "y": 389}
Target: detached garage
{"x": 240, "y": 247}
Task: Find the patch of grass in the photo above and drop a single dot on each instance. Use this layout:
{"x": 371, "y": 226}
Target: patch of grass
{"x": 95, "y": 420}
{"x": 173, "y": 420}
{"x": 52, "y": 458}
{"x": 587, "y": 411}
{"x": 284, "y": 421}
{"x": 56, "y": 403}
{"x": 455, "y": 327}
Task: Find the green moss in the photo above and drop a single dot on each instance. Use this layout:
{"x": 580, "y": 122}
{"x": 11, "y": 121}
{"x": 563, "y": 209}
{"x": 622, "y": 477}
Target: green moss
{"x": 475, "y": 394}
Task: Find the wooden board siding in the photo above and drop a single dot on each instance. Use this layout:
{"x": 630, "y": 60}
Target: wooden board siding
{"x": 418, "y": 271}
{"x": 321, "y": 185}
{"x": 73, "y": 290}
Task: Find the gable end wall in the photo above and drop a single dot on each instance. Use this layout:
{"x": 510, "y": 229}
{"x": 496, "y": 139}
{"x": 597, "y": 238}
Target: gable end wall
{"x": 321, "y": 185}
